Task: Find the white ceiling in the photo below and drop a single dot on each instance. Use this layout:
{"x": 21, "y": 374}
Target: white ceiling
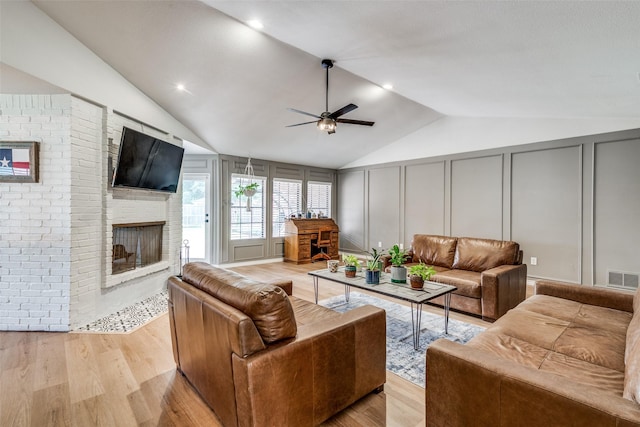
{"x": 554, "y": 59}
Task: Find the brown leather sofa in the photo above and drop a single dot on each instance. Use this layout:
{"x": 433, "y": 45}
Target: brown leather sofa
{"x": 567, "y": 356}
{"x": 489, "y": 274}
{"x": 261, "y": 357}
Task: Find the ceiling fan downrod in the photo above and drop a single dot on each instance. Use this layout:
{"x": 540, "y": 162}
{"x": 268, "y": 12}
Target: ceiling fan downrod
{"x": 326, "y": 64}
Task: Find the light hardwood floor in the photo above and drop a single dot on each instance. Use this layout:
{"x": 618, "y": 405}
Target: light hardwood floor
{"x": 89, "y": 379}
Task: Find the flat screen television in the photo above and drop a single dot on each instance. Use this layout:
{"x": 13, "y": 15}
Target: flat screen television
{"x": 148, "y": 163}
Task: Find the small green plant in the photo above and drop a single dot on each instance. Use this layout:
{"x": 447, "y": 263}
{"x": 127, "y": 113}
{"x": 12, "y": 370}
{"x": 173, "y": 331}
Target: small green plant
{"x": 423, "y": 270}
{"x": 240, "y": 191}
{"x": 397, "y": 255}
{"x": 373, "y": 263}
{"x": 350, "y": 260}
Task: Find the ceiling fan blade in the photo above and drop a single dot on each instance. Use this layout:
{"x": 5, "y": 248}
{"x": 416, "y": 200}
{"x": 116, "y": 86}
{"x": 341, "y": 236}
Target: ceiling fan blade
{"x": 343, "y": 110}
{"x": 304, "y": 112}
{"x": 355, "y": 122}
{"x": 300, "y": 124}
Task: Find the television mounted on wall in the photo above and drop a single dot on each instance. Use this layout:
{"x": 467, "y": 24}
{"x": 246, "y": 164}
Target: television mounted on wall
{"x": 148, "y": 163}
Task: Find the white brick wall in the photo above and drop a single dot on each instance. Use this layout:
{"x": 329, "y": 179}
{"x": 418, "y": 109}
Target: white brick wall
{"x": 87, "y": 216}
{"x": 55, "y": 235}
{"x": 35, "y": 223}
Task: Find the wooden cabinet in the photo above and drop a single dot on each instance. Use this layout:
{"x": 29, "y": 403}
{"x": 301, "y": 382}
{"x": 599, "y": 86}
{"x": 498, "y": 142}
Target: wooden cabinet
{"x": 300, "y": 234}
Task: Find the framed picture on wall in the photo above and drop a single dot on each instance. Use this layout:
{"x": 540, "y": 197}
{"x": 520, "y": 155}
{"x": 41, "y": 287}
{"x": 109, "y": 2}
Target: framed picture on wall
{"x": 18, "y": 161}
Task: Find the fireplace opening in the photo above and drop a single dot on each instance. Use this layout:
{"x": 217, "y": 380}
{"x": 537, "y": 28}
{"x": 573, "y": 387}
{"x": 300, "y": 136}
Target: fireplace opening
{"x": 136, "y": 245}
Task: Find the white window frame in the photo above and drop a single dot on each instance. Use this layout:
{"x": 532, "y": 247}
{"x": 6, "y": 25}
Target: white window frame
{"x": 251, "y": 225}
{"x": 283, "y": 207}
{"x": 315, "y": 205}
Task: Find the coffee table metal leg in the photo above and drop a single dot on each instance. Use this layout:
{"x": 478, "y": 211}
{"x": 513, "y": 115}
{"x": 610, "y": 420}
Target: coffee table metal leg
{"x": 447, "y": 304}
{"x": 315, "y": 287}
{"x": 416, "y": 318}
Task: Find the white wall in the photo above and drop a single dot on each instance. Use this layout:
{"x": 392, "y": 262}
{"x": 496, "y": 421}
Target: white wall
{"x": 56, "y": 235}
{"x": 35, "y": 218}
{"x": 32, "y": 42}
{"x": 451, "y": 135}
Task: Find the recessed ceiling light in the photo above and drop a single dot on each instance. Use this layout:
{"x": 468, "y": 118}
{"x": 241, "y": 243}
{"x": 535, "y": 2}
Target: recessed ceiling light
{"x": 182, "y": 88}
{"x": 254, "y": 23}
{"x": 387, "y": 86}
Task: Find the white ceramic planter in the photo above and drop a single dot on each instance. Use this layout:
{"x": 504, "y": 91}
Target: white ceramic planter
{"x": 398, "y": 274}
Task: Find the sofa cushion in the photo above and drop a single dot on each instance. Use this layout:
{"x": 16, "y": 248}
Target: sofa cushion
{"x": 267, "y": 305}
{"x": 408, "y": 265}
{"x": 538, "y": 329}
{"x": 582, "y": 372}
{"x": 558, "y": 308}
{"x": 434, "y": 250}
{"x": 483, "y": 254}
{"x": 593, "y": 345}
{"x": 524, "y": 353}
{"x": 510, "y": 348}
{"x": 307, "y": 312}
{"x": 467, "y": 282}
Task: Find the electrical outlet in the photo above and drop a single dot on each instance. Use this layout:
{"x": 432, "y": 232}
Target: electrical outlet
{"x": 379, "y": 244}
{"x": 534, "y": 260}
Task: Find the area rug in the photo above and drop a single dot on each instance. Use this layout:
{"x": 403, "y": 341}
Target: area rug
{"x": 402, "y": 359}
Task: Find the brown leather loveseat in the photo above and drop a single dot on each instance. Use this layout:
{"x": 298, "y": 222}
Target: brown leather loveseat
{"x": 567, "y": 356}
{"x": 489, "y": 274}
{"x": 261, "y": 357}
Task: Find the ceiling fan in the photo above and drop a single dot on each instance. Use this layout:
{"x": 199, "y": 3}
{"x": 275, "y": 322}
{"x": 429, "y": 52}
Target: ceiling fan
{"x": 328, "y": 121}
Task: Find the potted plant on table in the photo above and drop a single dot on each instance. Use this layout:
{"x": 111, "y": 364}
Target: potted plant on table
{"x": 419, "y": 273}
{"x": 372, "y": 274}
{"x": 398, "y": 271}
{"x": 377, "y": 254}
{"x": 351, "y": 263}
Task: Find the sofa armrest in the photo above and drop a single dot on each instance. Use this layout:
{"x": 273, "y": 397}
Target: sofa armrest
{"x": 286, "y": 285}
{"x": 327, "y": 367}
{"x": 467, "y": 386}
{"x": 503, "y": 288}
{"x": 609, "y": 298}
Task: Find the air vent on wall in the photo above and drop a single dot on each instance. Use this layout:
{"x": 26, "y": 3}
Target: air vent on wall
{"x": 621, "y": 279}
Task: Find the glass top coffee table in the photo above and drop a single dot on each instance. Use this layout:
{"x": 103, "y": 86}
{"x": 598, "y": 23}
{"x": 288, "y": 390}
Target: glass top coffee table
{"x": 402, "y": 291}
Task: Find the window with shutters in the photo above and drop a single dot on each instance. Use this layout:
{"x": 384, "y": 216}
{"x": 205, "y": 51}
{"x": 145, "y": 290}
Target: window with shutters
{"x": 319, "y": 198}
{"x": 248, "y": 214}
{"x": 287, "y": 201}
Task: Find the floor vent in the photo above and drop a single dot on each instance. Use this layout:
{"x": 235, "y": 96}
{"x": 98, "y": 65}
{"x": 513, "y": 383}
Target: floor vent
{"x": 620, "y": 279}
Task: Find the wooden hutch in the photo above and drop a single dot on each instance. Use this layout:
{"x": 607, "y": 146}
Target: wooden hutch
{"x": 300, "y": 234}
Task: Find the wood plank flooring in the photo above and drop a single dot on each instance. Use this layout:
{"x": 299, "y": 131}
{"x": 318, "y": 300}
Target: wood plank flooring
{"x": 90, "y": 379}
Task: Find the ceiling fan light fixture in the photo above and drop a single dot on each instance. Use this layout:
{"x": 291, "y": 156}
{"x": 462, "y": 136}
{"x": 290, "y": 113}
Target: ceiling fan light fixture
{"x": 327, "y": 124}
{"x": 328, "y": 121}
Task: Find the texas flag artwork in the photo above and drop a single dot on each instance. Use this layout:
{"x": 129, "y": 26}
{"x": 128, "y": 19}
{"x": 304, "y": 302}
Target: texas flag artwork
{"x": 14, "y": 161}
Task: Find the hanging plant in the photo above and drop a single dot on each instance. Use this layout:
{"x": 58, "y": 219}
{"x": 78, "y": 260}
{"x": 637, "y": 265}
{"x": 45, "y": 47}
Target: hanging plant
{"x": 247, "y": 190}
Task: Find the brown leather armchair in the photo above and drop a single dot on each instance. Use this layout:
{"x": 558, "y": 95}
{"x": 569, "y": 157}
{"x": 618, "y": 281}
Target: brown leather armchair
{"x": 259, "y": 356}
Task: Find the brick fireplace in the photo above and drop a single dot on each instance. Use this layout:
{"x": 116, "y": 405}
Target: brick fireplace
{"x": 56, "y": 262}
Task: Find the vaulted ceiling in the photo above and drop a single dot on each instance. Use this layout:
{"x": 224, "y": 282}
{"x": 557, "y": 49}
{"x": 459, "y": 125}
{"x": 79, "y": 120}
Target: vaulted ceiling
{"x": 486, "y": 59}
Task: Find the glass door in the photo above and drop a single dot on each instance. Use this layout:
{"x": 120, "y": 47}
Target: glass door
{"x": 196, "y": 221}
